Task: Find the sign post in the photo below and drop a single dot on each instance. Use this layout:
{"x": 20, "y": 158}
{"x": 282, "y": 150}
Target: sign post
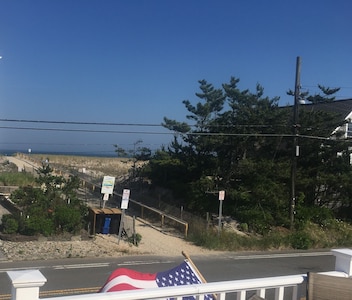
{"x": 107, "y": 188}
{"x": 124, "y": 206}
{"x": 221, "y": 199}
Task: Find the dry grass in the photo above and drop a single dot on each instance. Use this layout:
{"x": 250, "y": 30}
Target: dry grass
{"x": 112, "y": 166}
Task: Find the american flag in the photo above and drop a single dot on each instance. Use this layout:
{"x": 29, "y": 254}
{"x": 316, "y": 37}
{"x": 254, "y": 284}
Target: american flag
{"x": 126, "y": 279}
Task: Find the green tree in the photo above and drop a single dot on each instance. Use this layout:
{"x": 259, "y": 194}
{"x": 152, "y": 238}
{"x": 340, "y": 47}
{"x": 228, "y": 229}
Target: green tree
{"x": 53, "y": 207}
{"x": 121, "y": 152}
{"x": 325, "y": 95}
{"x": 9, "y": 224}
{"x": 191, "y": 152}
{"x": 241, "y": 142}
{"x": 328, "y": 95}
{"x": 323, "y": 162}
{"x": 212, "y": 150}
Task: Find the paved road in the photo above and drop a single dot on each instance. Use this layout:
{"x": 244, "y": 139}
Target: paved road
{"x": 88, "y": 275}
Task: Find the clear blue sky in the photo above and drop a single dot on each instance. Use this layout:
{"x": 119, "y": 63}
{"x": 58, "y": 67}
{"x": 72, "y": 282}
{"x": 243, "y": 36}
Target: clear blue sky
{"x": 135, "y": 61}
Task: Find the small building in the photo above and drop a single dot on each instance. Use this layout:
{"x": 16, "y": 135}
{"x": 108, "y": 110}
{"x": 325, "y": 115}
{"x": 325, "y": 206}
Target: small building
{"x": 104, "y": 220}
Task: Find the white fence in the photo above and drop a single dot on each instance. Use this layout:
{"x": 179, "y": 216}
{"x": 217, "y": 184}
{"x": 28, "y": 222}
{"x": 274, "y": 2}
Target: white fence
{"x": 26, "y": 284}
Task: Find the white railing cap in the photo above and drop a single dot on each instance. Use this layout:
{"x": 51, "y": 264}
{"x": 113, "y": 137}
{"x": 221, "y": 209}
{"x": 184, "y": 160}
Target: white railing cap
{"x": 343, "y": 251}
{"x": 26, "y": 278}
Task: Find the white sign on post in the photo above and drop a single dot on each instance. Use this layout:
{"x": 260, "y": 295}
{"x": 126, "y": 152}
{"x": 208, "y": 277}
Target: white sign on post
{"x": 221, "y": 198}
{"x": 107, "y": 186}
{"x": 124, "y": 206}
{"x": 125, "y": 199}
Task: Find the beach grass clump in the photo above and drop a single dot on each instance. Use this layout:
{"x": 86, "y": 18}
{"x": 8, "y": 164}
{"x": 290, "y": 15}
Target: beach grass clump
{"x": 16, "y": 179}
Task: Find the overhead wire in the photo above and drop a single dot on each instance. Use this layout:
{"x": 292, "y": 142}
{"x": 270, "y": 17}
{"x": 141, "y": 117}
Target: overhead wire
{"x": 124, "y": 124}
{"x": 194, "y": 133}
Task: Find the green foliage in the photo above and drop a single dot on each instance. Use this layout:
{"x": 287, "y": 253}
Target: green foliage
{"x": 300, "y": 240}
{"x": 313, "y": 214}
{"x": 38, "y": 224}
{"x": 16, "y": 179}
{"x": 137, "y": 153}
{"x": 135, "y": 239}
{"x": 327, "y": 92}
{"x": 257, "y": 219}
{"x": 9, "y": 223}
{"x": 244, "y": 227}
{"x": 52, "y": 208}
{"x": 67, "y": 219}
{"x": 241, "y": 142}
{"x": 230, "y": 241}
{"x": 121, "y": 152}
{"x": 337, "y": 234}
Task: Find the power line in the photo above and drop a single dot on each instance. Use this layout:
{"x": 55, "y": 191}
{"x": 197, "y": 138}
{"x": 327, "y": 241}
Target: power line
{"x": 80, "y": 123}
{"x": 217, "y": 134}
{"x": 84, "y": 130}
{"x": 138, "y": 124}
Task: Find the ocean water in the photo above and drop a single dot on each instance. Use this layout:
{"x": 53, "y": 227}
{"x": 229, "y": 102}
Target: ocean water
{"x": 10, "y": 152}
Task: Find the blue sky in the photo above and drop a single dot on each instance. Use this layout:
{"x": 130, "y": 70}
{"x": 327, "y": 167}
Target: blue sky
{"x": 133, "y": 62}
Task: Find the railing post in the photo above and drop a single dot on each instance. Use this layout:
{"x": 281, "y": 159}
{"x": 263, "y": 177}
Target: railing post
{"x": 343, "y": 260}
{"x": 26, "y": 284}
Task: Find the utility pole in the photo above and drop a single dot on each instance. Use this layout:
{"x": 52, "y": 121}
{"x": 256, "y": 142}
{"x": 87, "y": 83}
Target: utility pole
{"x": 295, "y": 141}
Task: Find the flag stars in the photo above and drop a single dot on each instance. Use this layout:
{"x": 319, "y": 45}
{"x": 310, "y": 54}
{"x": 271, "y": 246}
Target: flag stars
{"x": 181, "y": 275}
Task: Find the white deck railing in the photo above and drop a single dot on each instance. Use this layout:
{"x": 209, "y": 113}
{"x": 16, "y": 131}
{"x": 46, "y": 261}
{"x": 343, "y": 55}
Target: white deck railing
{"x": 26, "y": 284}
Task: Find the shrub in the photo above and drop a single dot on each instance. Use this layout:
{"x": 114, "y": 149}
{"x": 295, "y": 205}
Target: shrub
{"x": 17, "y": 179}
{"x": 10, "y": 224}
{"x": 244, "y": 227}
{"x": 319, "y": 215}
{"x": 38, "y": 224}
{"x": 300, "y": 240}
{"x": 67, "y": 219}
{"x": 135, "y": 239}
{"x": 257, "y": 220}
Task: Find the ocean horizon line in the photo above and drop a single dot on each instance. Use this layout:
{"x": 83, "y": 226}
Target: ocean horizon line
{"x": 11, "y": 152}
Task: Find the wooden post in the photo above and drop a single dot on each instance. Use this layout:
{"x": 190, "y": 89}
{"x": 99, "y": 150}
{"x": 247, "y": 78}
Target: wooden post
{"x": 295, "y": 152}
{"x": 186, "y": 229}
{"x": 194, "y": 266}
{"x": 134, "y": 231}
{"x": 121, "y": 225}
{"x": 162, "y": 221}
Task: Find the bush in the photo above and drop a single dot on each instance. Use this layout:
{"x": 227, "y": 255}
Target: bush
{"x": 38, "y": 225}
{"x": 10, "y": 224}
{"x": 244, "y": 227}
{"x": 135, "y": 239}
{"x": 300, "y": 240}
{"x": 257, "y": 220}
{"x": 319, "y": 215}
{"x": 67, "y": 219}
{"x": 17, "y": 179}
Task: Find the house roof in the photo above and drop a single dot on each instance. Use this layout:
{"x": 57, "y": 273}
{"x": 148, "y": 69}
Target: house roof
{"x": 341, "y": 107}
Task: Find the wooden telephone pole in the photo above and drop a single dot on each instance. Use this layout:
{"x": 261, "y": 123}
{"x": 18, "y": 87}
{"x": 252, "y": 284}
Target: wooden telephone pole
{"x": 295, "y": 141}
